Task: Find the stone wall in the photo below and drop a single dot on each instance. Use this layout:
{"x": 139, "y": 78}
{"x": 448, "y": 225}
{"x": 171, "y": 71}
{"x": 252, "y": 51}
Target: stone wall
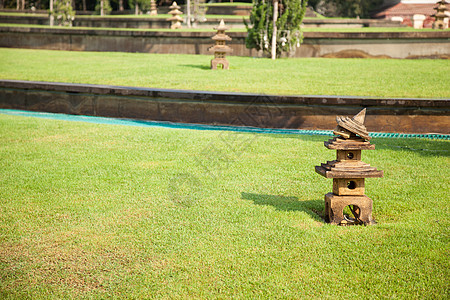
{"x": 295, "y": 112}
{"x": 434, "y": 44}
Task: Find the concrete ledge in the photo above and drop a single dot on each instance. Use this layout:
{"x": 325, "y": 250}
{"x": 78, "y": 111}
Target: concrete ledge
{"x": 238, "y": 10}
{"x": 441, "y": 34}
{"x": 220, "y": 108}
{"x": 316, "y": 44}
{"x": 350, "y": 23}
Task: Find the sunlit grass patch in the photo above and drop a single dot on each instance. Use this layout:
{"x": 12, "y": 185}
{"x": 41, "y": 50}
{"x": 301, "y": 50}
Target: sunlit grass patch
{"x": 307, "y": 76}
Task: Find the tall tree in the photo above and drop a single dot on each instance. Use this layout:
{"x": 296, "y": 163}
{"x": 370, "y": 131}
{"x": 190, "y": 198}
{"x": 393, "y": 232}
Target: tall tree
{"x": 63, "y": 13}
{"x": 140, "y": 6}
{"x": 195, "y": 11}
{"x": 21, "y": 4}
{"x": 103, "y": 7}
{"x": 286, "y": 23}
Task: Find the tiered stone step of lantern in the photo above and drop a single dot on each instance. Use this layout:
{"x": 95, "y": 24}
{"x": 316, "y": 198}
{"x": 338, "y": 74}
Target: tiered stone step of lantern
{"x": 440, "y": 15}
{"x": 175, "y": 19}
{"x": 348, "y": 173}
{"x": 220, "y": 48}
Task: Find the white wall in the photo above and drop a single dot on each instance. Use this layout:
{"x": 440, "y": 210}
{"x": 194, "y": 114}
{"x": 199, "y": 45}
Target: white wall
{"x": 419, "y": 1}
{"x": 393, "y": 2}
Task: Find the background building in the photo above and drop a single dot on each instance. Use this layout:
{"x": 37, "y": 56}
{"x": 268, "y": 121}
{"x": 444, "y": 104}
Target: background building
{"x": 414, "y": 13}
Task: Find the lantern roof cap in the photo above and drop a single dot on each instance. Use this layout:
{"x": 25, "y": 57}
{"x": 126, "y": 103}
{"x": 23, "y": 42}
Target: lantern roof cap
{"x": 354, "y": 125}
{"x": 221, "y": 26}
{"x": 174, "y": 5}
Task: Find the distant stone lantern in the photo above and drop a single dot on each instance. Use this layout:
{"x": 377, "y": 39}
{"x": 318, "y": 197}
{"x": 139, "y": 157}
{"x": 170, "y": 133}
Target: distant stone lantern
{"x": 175, "y": 19}
{"x": 220, "y": 49}
{"x": 153, "y": 8}
{"x": 440, "y": 15}
{"x": 348, "y": 173}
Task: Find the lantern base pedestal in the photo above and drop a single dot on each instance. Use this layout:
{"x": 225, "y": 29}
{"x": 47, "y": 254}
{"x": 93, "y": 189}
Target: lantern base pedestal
{"x": 361, "y": 207}
{"x": 219, "y": 61}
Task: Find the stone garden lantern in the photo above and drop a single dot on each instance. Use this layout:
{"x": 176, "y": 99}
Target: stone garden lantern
{"x": 349, "y": 172}
{"x": 220, "y": 49}
{"x": 440, "y": 15}
{"x": 175, "y": 19}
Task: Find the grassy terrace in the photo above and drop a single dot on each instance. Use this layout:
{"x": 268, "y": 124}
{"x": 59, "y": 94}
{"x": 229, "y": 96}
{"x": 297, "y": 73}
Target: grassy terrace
{"x": 229, "y": 4}
{"x": 306, "y": 29}
{"x": 359, "y": 77}
{"x": 122, "y": 29}
{"x": 98, "y": 211}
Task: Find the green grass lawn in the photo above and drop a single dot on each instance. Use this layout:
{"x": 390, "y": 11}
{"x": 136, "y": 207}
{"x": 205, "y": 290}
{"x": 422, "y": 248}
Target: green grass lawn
{"x": 101, "y": 211}
{"x": 133, "y": 16}
{"x": 159, "y": 16}
{"x": 229, "y": 4}
{"x": 124, "y": 29}
{"x": 359, "y": 77}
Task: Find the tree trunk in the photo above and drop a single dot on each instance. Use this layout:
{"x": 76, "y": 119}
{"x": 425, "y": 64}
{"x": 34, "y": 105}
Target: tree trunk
{"x": 136, "y": 8}
{"x": 84, "y": 5}
{"x": 120, "y": 5}
{"x": 188, "y": 13}
{"x": 52, "y": 18}
{"x": 196, "y": 13}
{"x": 102, "y": 13}
{"x": 274, "y": 31}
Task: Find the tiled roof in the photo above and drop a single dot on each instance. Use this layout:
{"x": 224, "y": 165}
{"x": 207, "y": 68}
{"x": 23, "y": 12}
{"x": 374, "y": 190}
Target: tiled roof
{"x": 403, "y": 9}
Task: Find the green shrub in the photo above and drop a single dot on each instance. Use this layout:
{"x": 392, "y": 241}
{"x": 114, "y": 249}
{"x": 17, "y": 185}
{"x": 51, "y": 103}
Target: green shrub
{"x": 63, "y": 13}
{"x": 260, "y": 29}
{"x": 106, "y": 7}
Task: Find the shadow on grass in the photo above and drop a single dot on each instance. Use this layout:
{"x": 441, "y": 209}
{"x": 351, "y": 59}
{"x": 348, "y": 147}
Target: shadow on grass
{"x": 422, "y": 147}
{"x": 314, "y": 208}
{"x": 201, "y": 67}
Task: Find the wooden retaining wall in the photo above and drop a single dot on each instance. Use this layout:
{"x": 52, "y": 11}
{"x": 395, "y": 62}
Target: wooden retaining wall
{"x": 266, "y": 111}
{"x": 434, "y": 44}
